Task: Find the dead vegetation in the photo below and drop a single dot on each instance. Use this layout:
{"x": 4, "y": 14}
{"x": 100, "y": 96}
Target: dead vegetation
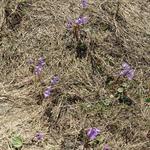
{"x": 117, "y": 31}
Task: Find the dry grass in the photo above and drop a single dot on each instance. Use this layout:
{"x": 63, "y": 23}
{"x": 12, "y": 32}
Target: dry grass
{"x": 117, "y": 31}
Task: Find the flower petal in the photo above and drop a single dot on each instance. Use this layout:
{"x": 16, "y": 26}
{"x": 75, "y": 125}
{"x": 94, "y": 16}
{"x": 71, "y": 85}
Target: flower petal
{"x": 47, "y": 92}
{"x": 92, "y": 133}
{"x": 84, "y": 3}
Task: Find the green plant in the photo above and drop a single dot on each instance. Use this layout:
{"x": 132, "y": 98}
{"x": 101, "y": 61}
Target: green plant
{"x": 16, "y": 141}
{"x": 147, "y": 100}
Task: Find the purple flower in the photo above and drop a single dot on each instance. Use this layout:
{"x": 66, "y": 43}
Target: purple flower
{"x": 39, "y": 66}
{"x": 127, "y": 71}
{"x": 47, "y": 92}
{"x": 41, "y": 61}
{"x": 69, "y": 24}
{"x": 39, "y": 136}
{"x": 106, "y": 147}
{"x": 54, "y": 80}
{"x": 92, "y": 133}
{"x": 38, "y": 69}
{"x": 84, "y": 3}
{"x": 81, "y": 20}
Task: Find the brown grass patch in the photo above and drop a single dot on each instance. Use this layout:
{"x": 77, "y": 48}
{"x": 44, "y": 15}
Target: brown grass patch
{"x": 117, "y": 31}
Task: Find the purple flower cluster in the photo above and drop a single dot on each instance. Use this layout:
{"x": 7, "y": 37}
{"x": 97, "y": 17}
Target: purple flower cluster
{"x": 48, "y": 91}
{"x": 80, "y": 21}
{"x": 54, "y": 80}
{"x": 39, "y": 66}
{"x": 41, "y": 61}
{"x": 92, "y": 133}
{"x": 127, "y": 71}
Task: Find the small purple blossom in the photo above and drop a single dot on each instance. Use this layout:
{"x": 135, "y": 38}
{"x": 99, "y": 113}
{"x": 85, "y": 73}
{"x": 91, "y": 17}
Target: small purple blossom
{"x": 84, "y": 3}
{"x": 41, "y": 62}
{"x": 92, "y": 133}
{"x": 81, "y": 20}
{"x": 39, "y": 136}
{"x": 127, "y": 71}
{"x": 47, "y": 92}
{"x": 39, "y": 66}
{"x": 54, "y": 80}
{"x": 106, "y": 147}
{"x": 38, "y": 70}
{"x": 69, "y": 24}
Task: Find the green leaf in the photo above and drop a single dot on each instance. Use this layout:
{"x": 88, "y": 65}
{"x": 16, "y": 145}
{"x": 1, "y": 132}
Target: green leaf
{"x": 16, "y": 141}
{"x": 147, "y": 100}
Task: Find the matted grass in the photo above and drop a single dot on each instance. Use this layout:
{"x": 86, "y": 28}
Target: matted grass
{"x": 117, "y": 31}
